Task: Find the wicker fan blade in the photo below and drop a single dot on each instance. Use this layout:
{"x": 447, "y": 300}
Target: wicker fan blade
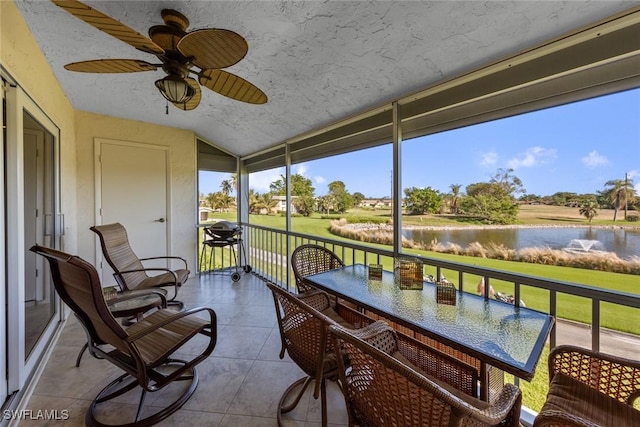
{"x": 232, "y": 86}
{"x": 111, "y": 66}
{"x": 109, "y": 25}
{"x": 213, "y": 48}
{"x": 193, "y": 102}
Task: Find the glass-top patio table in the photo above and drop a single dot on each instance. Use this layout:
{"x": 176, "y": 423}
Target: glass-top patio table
{"x": 505, "y": 336}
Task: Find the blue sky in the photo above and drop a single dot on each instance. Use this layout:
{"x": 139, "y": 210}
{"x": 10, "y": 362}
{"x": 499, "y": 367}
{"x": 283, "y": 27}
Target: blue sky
{"x": 576, "y": 148}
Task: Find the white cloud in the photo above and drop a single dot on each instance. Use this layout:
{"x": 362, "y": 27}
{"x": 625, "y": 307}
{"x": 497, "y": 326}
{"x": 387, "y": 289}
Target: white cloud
{"x": 319, "y": 179}
{"x": 300, "y": 169}
{"x": 594, "y": 159}
{"x": 260, "y": 181}
{"x": 534, "y": 156}
{"x": 488, "y": 159}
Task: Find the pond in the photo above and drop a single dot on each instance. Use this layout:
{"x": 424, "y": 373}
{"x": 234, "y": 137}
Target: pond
{"x": 624, "y": 242}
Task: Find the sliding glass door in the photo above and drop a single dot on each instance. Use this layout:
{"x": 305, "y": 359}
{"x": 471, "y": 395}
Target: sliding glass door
{"x": 30, "y": 215}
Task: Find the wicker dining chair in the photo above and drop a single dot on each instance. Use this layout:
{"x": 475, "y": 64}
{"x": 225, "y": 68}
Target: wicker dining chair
{"x": 303, "y": 320}
{"x": 145, "y": 351}
{"x": 129, "y": 271}
{"x": 588, "y": 388}
{"x": 311, "y": 259}
{"x": 383, "y": 390}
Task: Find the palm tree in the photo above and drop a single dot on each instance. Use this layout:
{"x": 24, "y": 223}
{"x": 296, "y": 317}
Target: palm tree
{"x": 226, "y": 186}
{"x": 268, "y": 202}
{"x": 253, "y": 201}
{"x": 210, "y": 200}
{"x": 455, "y": 196}
{"x": 216, "y": 201}
{"x": 588, "y": 210}
{"x": 619, "y": 192}
{"x": 234, "y": 181}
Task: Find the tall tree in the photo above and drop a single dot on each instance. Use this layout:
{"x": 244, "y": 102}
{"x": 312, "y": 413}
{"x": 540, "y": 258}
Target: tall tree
{"x": 455, "y": 198}
{"x": 341, "y": 197}
{"x": 215, "y": 200}
{"x": 510, "y": 183}
{"x": 301, "y": 187}
{"x": 494, "y": 201}
{"x": 254, "y": 199}
{"x": 234, "y": 181}
{"x": 619, "y": 192}
{"x": 419, "y": 201}
{"x": 357, "y": 198}
{"x": 225, "y": 188}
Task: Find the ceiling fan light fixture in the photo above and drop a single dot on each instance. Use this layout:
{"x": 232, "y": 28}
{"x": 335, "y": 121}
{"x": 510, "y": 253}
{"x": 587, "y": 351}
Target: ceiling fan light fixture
{"x": 175, "y": 89}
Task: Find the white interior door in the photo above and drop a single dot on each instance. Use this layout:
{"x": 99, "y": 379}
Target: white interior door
{"x": 133, "y": 189}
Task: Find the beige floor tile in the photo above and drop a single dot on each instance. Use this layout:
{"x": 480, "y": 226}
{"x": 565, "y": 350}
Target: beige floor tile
{"x": 264, "y": 385}
{"x": 240, "y": 383}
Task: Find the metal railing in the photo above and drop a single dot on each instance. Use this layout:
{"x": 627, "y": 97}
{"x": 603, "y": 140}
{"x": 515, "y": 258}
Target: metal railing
{"x": 268, "y": 250}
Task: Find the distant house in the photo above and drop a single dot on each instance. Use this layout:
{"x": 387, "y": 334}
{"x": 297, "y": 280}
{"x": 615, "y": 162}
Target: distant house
{"x": 203, "y": 213}
{"x": 282, "y": 204}
{"x": 382, "y": 203}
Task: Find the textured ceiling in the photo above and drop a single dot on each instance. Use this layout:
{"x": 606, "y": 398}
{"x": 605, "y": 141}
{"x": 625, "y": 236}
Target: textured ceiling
{"x": 317, "y": 61}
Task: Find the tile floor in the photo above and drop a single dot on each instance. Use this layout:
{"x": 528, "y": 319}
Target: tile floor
{"x": 240, "y": 383}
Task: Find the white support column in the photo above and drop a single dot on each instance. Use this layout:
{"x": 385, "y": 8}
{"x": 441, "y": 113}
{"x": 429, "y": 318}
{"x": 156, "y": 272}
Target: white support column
{"x": 397, "y": 181}
{"x": 287, "y": 174}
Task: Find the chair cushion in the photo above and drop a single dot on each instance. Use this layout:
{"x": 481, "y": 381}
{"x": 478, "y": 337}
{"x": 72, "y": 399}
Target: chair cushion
{"x": 573, "y": 399}
{"x": 156, "y": 345}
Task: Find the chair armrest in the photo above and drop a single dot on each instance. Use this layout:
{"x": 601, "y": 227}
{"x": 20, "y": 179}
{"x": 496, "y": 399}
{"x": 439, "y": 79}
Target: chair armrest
{"x": 166, "y": 270}
{"x": 167, "y": 257}
{"x": 505, "y": 408}
{"x": 614, "y": 376}
{"x": 370, "y": 332}
{"x": 143, "y": 332}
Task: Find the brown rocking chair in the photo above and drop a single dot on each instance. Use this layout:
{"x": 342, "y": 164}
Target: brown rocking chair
{"x": 144, "y": 351}
{"x": 130, "y": 273}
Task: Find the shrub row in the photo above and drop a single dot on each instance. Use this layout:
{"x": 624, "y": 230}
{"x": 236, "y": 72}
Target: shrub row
{"x": 355, "y": 219}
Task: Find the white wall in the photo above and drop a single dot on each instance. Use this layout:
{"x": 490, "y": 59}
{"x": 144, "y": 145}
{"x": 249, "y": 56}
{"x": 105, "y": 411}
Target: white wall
{"x": 22, "y": 58}
{"x": 182, "y": 146}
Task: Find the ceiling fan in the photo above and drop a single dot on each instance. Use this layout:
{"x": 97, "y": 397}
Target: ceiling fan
{"x": 181, "y": 53}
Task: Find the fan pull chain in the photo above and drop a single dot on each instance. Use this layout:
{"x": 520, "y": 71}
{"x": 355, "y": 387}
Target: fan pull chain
{"x": 167, "y": 108}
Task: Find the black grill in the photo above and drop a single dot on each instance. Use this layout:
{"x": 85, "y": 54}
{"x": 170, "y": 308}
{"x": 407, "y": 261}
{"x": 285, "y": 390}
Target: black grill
{"x": 219, "y": 235}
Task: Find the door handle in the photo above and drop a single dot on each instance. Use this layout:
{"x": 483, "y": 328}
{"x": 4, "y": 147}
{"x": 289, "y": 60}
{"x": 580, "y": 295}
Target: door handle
{"x": 159, "y": 220}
